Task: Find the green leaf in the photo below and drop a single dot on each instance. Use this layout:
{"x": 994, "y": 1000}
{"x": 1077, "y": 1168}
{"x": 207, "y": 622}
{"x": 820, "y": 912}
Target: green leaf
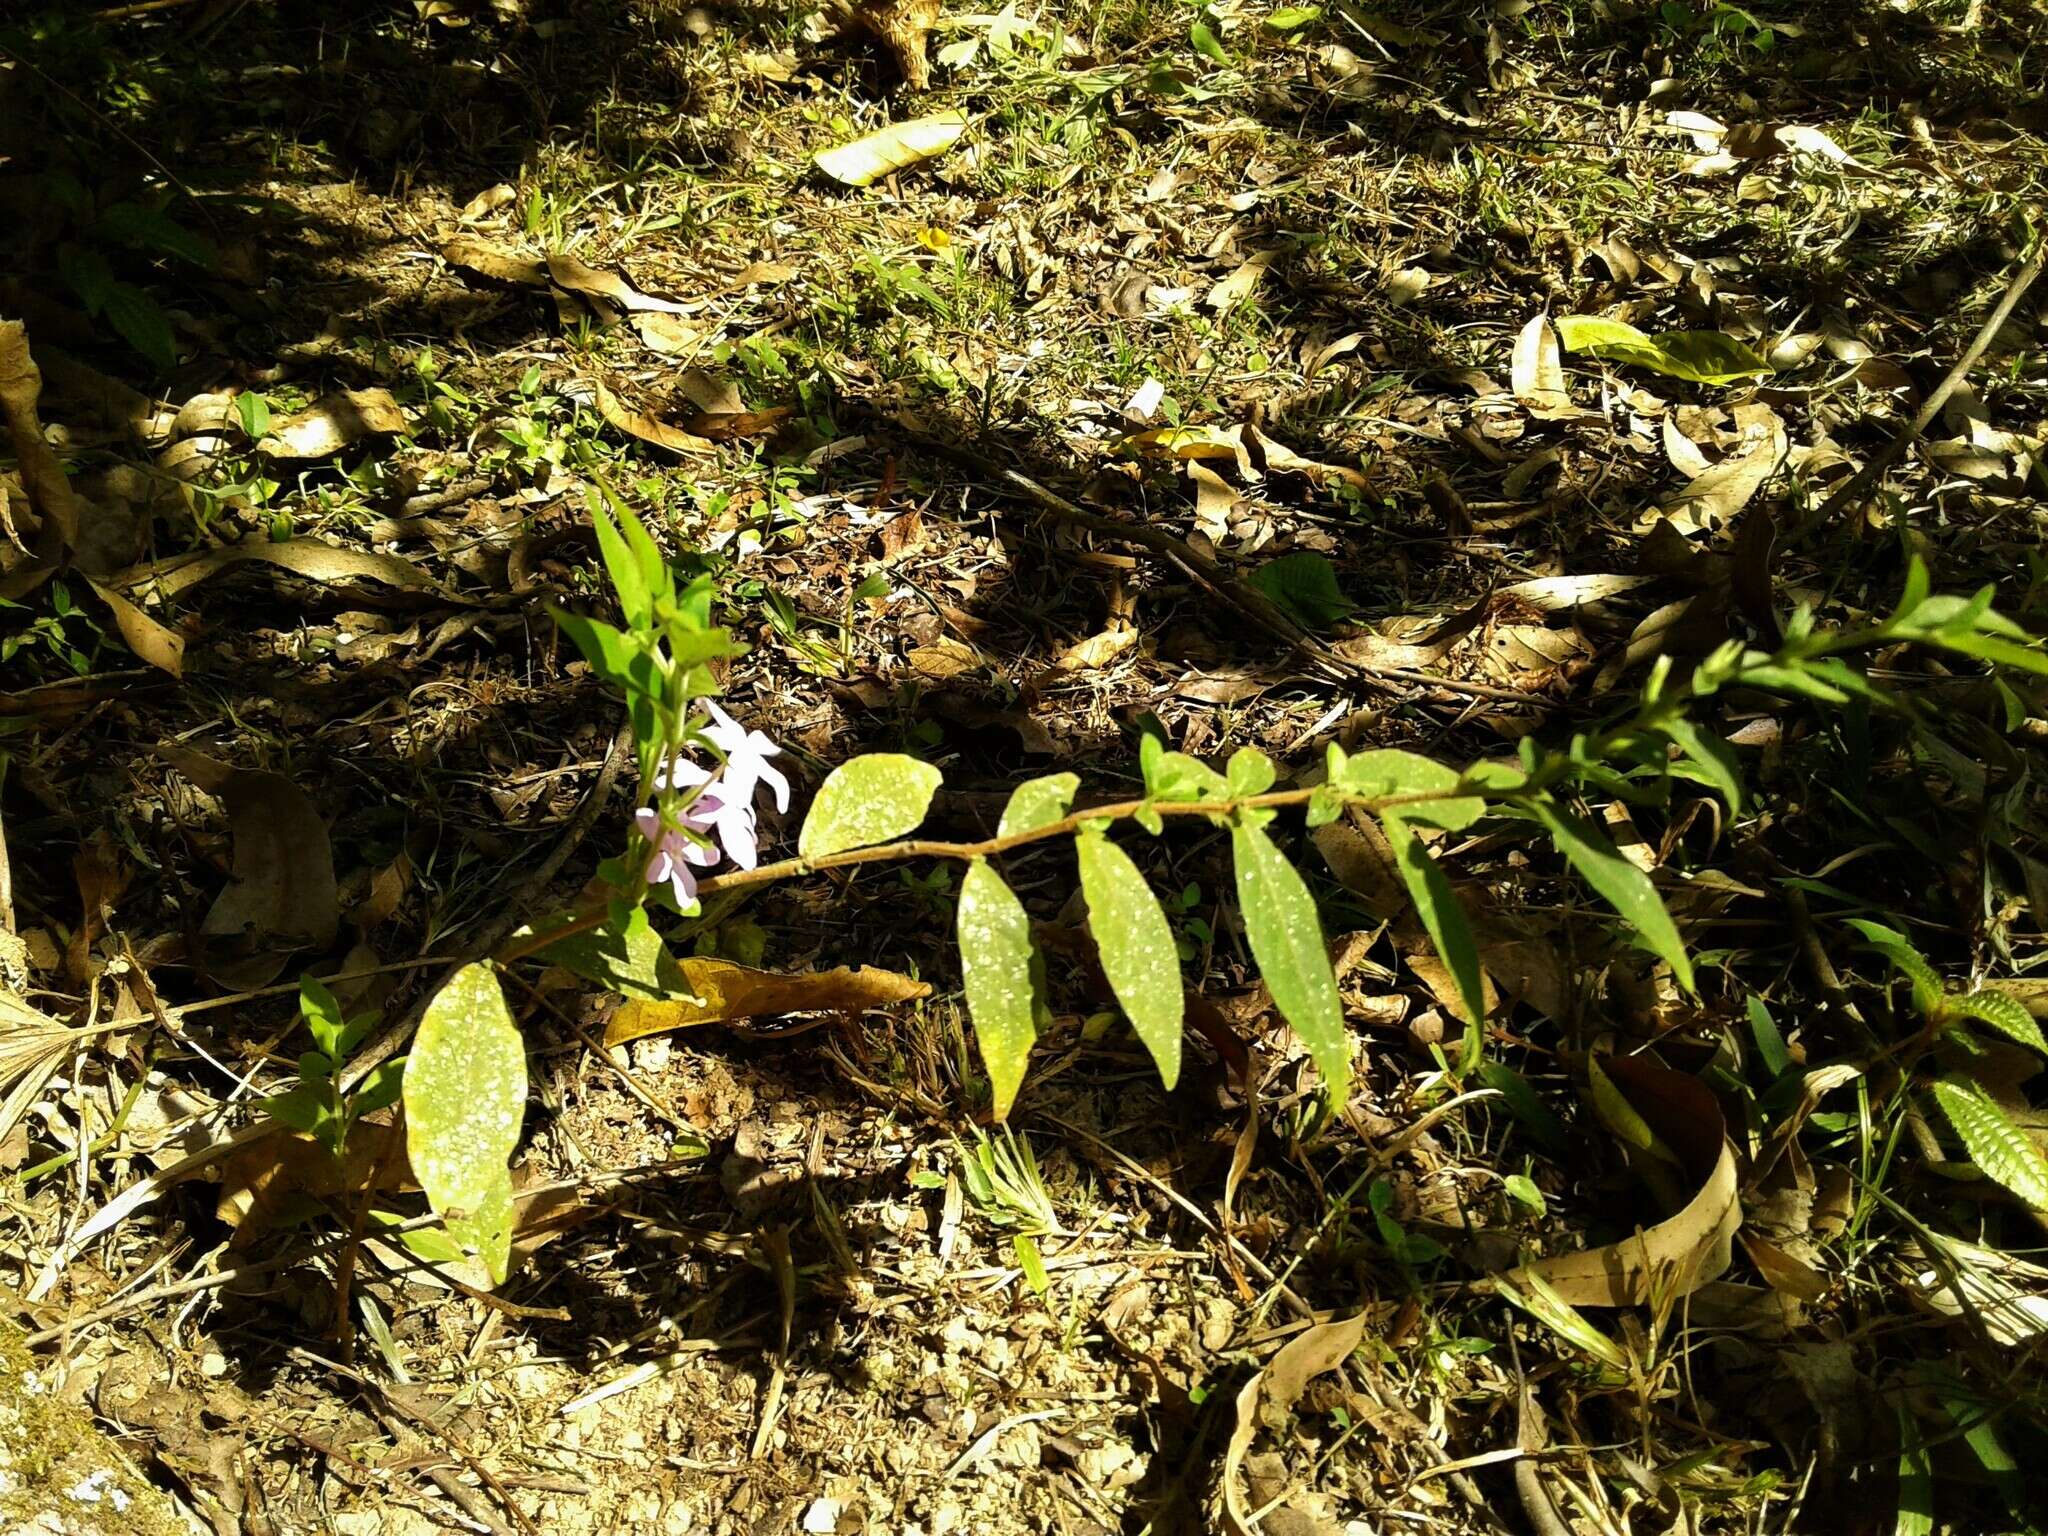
{"x": 465, "y": 1096}
{"x": 1304, "y": 586}
{"x": 140, "y": 321}
{"x": 1716, "y": 759}
{"x": 633, "y": 962}
{"x": 995, "y": 963}
{"x": 1906, "y": 960}
{"x": 1625, "y": 888}
{"x": 629, "y": 580}
{"x": 145, "y": 229}
{"x": 380, "y": 1088}
{"x": 1038, "y": 803}
{"x": 1999, "y": 1148}
{"x": 322, "y": 1013}
{"x": 1136, "y": 946}
{"x": 1177, "y": 776}
{"x": 2004, "y": 1013}
{"x": 253, "y": 411}
{"x": 303, "y": 1108}
{"x": 1526, "y": 1106}
{"x": 1444, "y": 919}
{"x": 1251, "y": 772}
{"x": 1615, "y": 1112}
{"x": 1389, "y": 773}
{"x": 1032, "y": 1262}
{"x": 1770, "y": 1043}
{"x": 1287, "y": 941}
{"x": 2006, "y": 653}
{"x": 867, "y": 800}
{"x": 1705, "y": 357}
{"x": 1205, "y": 43}
{"x": 1915, "y": 1514}
{"x": 1292, "y": 18}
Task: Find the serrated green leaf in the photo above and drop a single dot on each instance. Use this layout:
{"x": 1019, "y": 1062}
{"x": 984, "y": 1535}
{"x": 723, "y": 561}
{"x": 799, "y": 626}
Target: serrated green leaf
{"x": 867, "y": 800}
{"x": 465, "y": 1097}
{"x": 1442, "y": 917}
{"x": 1390, "y": 773}
{"x": 1038, "y": 803}
{"x": 1705, "y": 357}
{"x": 2004, "y": 1013}
{"x": 1304, "y": 585}
{"x": 995, "y": 964}
{"x": 1999, "y": 1148}
{"x": 1136, "y": 946}
{"x": 1623, "y": 886}
{"x": 1287, "y": 941}
{"x": 1906, "y": 960}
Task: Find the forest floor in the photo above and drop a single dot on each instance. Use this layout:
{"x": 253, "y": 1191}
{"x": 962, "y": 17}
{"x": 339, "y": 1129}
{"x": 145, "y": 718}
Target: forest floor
{"x": 761, "y": 1285}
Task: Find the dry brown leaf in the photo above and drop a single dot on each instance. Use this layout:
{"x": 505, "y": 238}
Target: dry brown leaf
{"x": 281, "y": 895}
{"x": 902, "y": 27}
{"x": 1553, "y": 594}
{"x": 867, "y": 160}
{"x": 42, "y": 475}
{"x": 588, "y": 282}
{"x": 305, "y": 557}
{"x": 162, "y": 647}
{"x": 737, "y": 426}
{"x": 724, "y": 991}
{"x": 1713, "y": 498}
{"x": 668, "y": 333}
{"x": 944, "y": 659}
{"x": 332, "y": 423}
{"x": 486, "y": 203}
{"x": 646, "y": 428}
{"x": 1677, "y": 1256}
{"x": 1269, "y": 1398}
{"x": 1242, "y": 283}
{"x": 1536, "y": 372}
{"x": 276, "y": 1177}
{"x": 1098, "y": 650}
{"x": 487, "y": 261}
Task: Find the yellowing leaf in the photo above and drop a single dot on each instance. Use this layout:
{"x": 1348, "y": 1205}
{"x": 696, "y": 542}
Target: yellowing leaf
{"x": 720, "y": 990}
{"x": 1705, "y": 357}
{"x": 996, "y": 966}
{"x": 867, "y": 160}
{"x": 1535, "y": 373}
{"x": 867, "y": 799}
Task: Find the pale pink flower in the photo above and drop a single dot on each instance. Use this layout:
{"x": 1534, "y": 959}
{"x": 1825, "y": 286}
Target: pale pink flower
{"x": 745, "y": 770}
{"x": 675, "y": 850}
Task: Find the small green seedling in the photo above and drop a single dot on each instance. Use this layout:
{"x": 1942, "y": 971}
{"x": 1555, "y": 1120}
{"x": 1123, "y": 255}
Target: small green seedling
{"x": 317, "y": 1106}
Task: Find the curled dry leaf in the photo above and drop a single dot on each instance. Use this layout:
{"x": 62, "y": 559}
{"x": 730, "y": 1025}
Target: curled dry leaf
{"x": 332, "y": 423}
{"x": 271, "y": 1179}
{"x": 639, "y": 424}
{"x": 161, "y": 647}
{"x": 1098, "y": 650}
{"x": 867, "y": 160}
{"x": 1676, "y": 1256}
{"x": 1536, "y": 372}
{"x": 1713, "y": 497}
{"x": 304, "y": 557}
{"x": 722, "y": 991}
{"x": 1269, "y": 1398}
{"x": 1252, "y": 451}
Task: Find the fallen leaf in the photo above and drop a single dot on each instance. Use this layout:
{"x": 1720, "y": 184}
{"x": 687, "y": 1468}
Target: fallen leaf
{"x": 867, "y": 160}
{"x": 647, "y": 428}
{"x": 1677, "y": 1256}
{"x": 281, "y": 895}
{"x": 1712, "y": 498}
{"x": 944, "y": 659}
{"x": 42, "y": 474}
{"x": 1240, "y": 284}
{"x": 275, "y": 1179}
{"x": 1098, "y": 650}
{"x": 332, "y": 423}
{"x": 902, "y": 27}
{"x": 1536, "y": 372}
{"x": 667, "y": 333}
{"x": 1811, "y": 141}
{"x": 306, "y": 557}
{"x": 1704, "y": 357}
{"x": 1552, "y": 594}
{"x": 486, "y": 203}
{"x": 720, "y": 991}
{"x": 588, "y": 282}
{"x": 1269, "y": 1398}
{"x": 162, "y": 647}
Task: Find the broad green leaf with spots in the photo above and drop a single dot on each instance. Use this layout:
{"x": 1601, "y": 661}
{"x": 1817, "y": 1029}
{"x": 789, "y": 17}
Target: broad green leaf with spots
{"x": 1287, "y": 941}
{"x": 1136, "y": 946}
{"x": 867, "y": 800}
{"x": 465, "y": 1096}
{"x": 996, "y": 965}
{"x": 1038, "y": 802}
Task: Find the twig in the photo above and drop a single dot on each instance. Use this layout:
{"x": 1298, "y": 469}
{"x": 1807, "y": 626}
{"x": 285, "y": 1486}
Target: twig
{"x": 1858, "y": 487}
